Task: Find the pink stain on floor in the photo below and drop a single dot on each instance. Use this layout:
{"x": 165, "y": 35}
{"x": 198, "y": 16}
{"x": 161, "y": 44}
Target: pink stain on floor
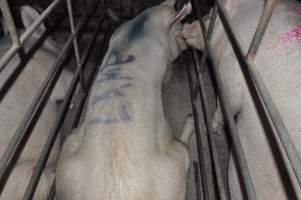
{"x": 294, "y": 35}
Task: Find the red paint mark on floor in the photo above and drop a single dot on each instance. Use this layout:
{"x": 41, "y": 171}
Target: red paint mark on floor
{"x": 294, "y": 35}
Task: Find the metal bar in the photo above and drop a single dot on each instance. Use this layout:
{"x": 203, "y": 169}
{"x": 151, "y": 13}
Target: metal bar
{"x": 75, "y": 45}
{"x": 113, "y": 15}
{"x": 198, "y": 138}
{"x": 9, "y": 22}
{"x": 37, "y": 104}
{"x": 245, "y": 173}
{"x": 51, "y": 194}
{"x": 210, "y": 31}
{"x": 205, "y": 106}
{"x": 83, "y": 97}
{"x": 52, "y": 189}
{"x": 197, "y": 180}
{"x": 257, "y": 84}
{"x": 56, "y": 128}
{"x": 50, "y": 141}
{"x": 261, "y": 28}
{"x": 13, "y": 49}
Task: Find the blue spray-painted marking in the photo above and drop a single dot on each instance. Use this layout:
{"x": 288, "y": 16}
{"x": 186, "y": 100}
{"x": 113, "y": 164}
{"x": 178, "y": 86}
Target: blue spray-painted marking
{"x": 111, "y": 71}
{"x": 124, "y": 113}
{"x": 111, "y": 93}
{"x": 113, "y": 79}
{"x": 100, "y": 120}
{"x": 116, "y": 58}
{"x": 137, "y": 29}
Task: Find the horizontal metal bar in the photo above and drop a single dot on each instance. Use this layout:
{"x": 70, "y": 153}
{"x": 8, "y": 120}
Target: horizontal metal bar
{"x": 14, "y": 48}
{"x": 244, "y": 170}
{"x": 200, "y": 149}
{"x": 205, "y": 106}
{"x": 37, "y": 104}
{"x": 56, "y": 128}
{"x": 9, "y": 22}
{"x": 261, "y": 28}
{"x": 255, "y": 81}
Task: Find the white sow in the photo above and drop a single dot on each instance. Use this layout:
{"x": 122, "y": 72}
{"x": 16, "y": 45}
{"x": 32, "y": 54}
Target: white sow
{"x": 124, "y": 148}
{"x": 278, "y": 61}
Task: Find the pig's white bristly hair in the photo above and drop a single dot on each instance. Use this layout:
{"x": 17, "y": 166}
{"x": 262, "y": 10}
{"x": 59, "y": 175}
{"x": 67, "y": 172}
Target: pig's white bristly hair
{"x": 180, "y": 15}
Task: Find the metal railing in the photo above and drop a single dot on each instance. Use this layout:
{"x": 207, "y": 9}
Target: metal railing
{"x": 258, "y": 91}
{"x": 15, "y": 146}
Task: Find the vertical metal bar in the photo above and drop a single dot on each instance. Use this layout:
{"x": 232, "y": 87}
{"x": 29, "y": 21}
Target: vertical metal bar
{"x": 230, "y": 120}
{"x": 261, "y": 28}
{"x": 210, "y": 31}
{"x": 257, "y": 84}
{"x": 13, "y": 49}
{"x": 82, "y": 99}
{"x": 51, "y": 194}
{"x": 9, "y": 22}
{"x": 205, "y": 106}
{"x": 56, "y": 128}
{"x": 197, "y": 180}
{"x": 198, "y": 137}
{"x": 75, "y": 44}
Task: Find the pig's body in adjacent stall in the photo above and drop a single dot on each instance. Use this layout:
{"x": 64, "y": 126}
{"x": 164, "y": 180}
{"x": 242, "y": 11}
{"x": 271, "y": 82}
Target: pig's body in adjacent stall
{"x": 278, "y": 61}
{"x": 16, "y": 102}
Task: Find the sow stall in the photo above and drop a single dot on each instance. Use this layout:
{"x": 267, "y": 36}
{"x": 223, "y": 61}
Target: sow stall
{"x": 72, "y": 106}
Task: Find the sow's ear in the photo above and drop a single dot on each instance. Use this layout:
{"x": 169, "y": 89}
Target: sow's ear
{"x": 180, "y": 15}
{"x": 29, "y": 15}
